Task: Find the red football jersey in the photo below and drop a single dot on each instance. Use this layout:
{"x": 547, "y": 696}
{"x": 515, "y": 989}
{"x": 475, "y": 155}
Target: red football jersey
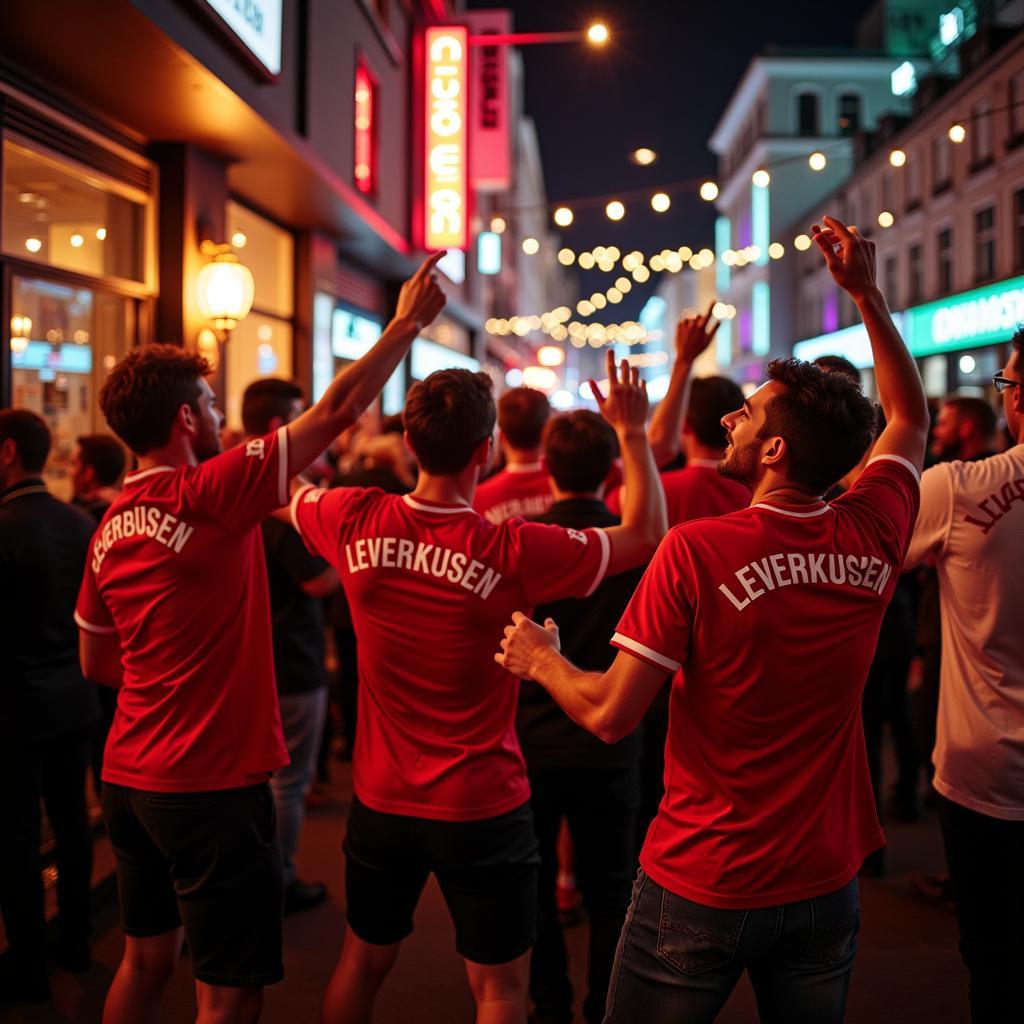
{"x": 178, "y": 573}
{"x": 772, "y": 614}
{"x": 694, "y": 492}
{"x": 518, "y": 490}
{"x": 431, "y": 588}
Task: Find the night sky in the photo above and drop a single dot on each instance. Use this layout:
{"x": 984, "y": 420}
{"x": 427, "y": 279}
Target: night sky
{"x": 662, "y": 82}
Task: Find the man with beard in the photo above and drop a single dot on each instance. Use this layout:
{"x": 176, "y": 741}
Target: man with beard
{"x": 771, "y": 614}
{"x": 174, "y": 613}
{"x": 965, "y": 429}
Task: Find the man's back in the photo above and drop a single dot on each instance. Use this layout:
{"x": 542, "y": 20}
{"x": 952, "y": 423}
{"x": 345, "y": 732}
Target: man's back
{"x": 972, "y": 520}
{"x": 520, "y": 489}
{"x": 430, "y": 586}
{"x": 177, "y": 572}
{"x": 549, "y": 737}
{"x": 772, "y": 613}
{"x": 43, "y": 548}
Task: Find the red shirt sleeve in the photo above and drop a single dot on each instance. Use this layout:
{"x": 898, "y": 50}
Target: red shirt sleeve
{"x": 91, "y": 612}
{"x": 241, "y": 487}
{"x": 555, "y": 562}
{"x": 657, "y": 622}
{"x": 614, "y": 501}
{"x": 885, "y": 501}
{"x": 319, "y": 515}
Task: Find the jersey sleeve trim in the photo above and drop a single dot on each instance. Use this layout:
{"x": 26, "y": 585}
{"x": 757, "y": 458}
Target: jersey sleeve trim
{"x": 294, "y": 506}
{"x": 283, "y": 467}
{"x": 606, "y": 554}
{"x": 906, "y": 463}
{"x": 625, "y": 643}
{"x": 90, "y": 628}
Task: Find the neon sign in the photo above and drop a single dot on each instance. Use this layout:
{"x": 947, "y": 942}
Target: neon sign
{"x": 365, "y": 170}
{"x": 446, "y": 193}
{"x": 983, "y": 316}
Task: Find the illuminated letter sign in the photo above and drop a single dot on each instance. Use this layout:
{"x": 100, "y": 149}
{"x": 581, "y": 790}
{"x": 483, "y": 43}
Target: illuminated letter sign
{"x": 984, "y": 316}
{"x": 490, "y": 159}
{"x": 446, "y": 166}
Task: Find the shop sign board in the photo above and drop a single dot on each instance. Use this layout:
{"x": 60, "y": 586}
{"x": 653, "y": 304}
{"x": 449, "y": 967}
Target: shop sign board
{"x": 984, "y": 316}
{"x": 446, "y": 137}
{"x": 490, "y": 156}
{"x": 257, "y": 23}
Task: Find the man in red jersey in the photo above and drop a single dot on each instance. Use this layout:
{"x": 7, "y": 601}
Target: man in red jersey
{"x": 440, "y": 783}
{"x": 174, "y": 613}
{"x": 771, "y": 614}
{"x": 690, "y": 415}
{"x": 523, "y": 487}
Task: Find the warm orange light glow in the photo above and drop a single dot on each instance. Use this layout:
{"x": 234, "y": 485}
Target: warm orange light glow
{"x": 550, "y": 355}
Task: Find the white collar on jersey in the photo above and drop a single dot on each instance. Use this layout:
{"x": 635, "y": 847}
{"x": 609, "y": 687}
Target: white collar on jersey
{"x": 132, "y": 477}
{"x": 444, "y": 510}
{"x": 524, "y": 467}
{"x": 705, "y": 463}
{"x": 795, "y": 515}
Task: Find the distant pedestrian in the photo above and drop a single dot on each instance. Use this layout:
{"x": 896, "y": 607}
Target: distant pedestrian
{"x": 47, "y": 710}
{"x": 96, "y": 471}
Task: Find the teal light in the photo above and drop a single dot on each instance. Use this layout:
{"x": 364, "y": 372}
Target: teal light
{"x": 761, "y": 306}
{"x": 723, "y": 241}
{"x": 723, "y": 343}
{"x": 759, "y": 212}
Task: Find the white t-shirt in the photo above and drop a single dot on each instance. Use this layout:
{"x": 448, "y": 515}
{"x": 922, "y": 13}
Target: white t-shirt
{"x": 972, "y": 522}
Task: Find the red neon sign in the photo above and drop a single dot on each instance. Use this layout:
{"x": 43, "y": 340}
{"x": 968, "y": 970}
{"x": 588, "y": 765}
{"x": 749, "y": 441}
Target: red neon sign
{"x": 446, "y": 157}
{"x": 365, "y": 170}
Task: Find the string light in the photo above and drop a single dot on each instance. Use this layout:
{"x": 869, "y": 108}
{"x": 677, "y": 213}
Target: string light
{"x": 563, "y": 216}
{"x": 817, "y": 161}
{"x": 885, "y": 219}
{"x": 566, "y": 257}
{"x": 776, "y": 250}
{"x": 709, "y": 191}
{"x": 761, "y": 178}
{"x": 643, "y": 156}
{"x": 615, "y": 210}
{"x": 897, "y": 158}
{"x": 660, "y": 202}
{"x": 957, "y": 133}
{"x": 531, "y": 246}
{"x": 498, "y": 225}
{"x": 586, "y": 260}
{"x": 802, "y": 242}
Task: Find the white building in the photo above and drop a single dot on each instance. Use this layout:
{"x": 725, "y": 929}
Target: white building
{"x": 786, "y": 108}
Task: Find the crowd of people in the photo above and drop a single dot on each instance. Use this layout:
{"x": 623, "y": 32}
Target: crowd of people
{"x": 713, "y": 614}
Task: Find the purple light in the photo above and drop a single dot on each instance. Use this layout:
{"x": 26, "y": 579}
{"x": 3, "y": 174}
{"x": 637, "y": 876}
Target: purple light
{"x": 830, "y": 313}
{"x": 746, "y": 330}
{"x": 744, "y": 232}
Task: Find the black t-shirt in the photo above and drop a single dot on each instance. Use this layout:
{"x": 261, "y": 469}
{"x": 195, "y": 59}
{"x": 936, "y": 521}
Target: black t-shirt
{"x": 297, "y": 618}
{"x": 548, "y": 736}
{"x": 43, "y": 548}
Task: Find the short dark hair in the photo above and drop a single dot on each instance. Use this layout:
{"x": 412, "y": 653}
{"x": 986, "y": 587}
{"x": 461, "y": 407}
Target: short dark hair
{"x": 105, "y": 455}
{"x": 711, "y": 398}
{"x": 447, "y": 416}
{"x": 838, "y": 364}
{"x": 267, "y": 399}
{"x": 826, "y": 420}
{"x": 976, "y": 411}
{"x": 579, "y": 449}
{"x": 522, "y": 413}
{"x": 31, "y": 437}
{"x": 143, "y": 393}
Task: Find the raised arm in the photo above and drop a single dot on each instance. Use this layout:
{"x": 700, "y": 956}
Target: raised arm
{"x": 693, "y": 335}
{"x": 609, "y": 704}
{"x": 851, "y": 261}
{"x": 644, "y": 518}
{"x": 420, "y": 300}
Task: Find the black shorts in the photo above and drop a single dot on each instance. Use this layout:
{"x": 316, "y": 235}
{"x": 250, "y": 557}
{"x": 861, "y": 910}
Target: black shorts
{"x": 208, "y": 861}
{"x": 487, "y": 871}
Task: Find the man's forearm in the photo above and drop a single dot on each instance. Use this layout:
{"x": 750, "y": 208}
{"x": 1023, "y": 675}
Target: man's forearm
{"x": 666, "y": 424}
{"x": 643, "y": 506}
{"x": 579, "y": 694}
{"x": 900, "y": 392}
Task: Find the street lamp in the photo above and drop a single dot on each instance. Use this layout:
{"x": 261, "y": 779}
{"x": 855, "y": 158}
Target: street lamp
{"x": 597, "y": 35}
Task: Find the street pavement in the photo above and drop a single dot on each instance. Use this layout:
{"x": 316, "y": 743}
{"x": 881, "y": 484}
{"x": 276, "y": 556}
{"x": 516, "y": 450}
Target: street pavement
{"x": 907, "y": 969}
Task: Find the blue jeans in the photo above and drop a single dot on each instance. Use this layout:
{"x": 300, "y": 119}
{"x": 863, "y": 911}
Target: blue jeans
{"x": 678, "y": 961}
{"x": 302, "y": 719}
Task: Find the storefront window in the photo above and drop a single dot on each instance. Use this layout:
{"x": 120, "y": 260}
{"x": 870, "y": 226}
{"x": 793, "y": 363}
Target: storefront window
{"x": 985, "y": 244}
{"x": 64, "y": 340}
{"x": 66, "y": 218}
{"x": 262, "y": 344}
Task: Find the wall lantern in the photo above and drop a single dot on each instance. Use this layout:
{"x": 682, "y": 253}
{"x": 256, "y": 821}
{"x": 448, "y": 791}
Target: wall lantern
{"x": 21, "y": 332}
{"x": 224, "y": 289}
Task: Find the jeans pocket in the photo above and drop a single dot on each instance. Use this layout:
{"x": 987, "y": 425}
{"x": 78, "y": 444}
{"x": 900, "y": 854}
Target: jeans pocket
{"x": 835, "y": 921}
{"x": 694, "y": 938}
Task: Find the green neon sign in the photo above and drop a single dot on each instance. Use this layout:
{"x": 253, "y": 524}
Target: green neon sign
{"x": 984, "y": 316}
